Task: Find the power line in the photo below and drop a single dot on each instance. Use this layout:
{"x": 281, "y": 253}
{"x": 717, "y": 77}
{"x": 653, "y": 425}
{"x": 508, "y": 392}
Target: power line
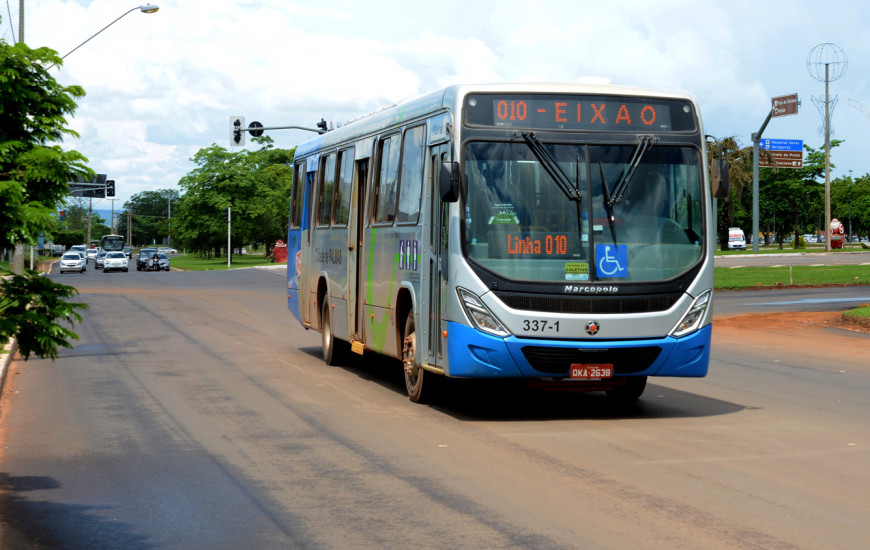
{"x": 11, "y": 26}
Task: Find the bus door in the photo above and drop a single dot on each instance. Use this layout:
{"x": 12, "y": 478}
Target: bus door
{"x": 356, "y": 256}
{"x": 296, "y": 241}
{"x": 435, "y": 264}
{"x": 304, "y": 266}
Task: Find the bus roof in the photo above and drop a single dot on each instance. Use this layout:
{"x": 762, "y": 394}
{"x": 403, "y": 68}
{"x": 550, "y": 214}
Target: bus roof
{"x": 449, "y": 98}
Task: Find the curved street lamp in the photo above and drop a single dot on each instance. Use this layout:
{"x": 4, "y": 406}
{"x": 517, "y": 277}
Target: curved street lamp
{"x": 145, "y": 8}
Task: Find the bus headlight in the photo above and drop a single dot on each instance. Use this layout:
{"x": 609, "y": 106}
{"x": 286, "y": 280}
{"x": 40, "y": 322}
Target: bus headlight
{"x": 693, "y": 318}
{"x": 480, "y": 315}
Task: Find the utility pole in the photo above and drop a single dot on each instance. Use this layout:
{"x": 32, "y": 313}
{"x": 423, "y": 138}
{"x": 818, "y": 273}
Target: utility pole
{"x": 826, "y": 63}
{"x": 90, "y": 206}
{"x": 756, "y": 137}
{"x": 112, "y": 224}
{"x": 17, "y": 265}
{"x": 827, "y": 157}
{"x": 229, "y": 238}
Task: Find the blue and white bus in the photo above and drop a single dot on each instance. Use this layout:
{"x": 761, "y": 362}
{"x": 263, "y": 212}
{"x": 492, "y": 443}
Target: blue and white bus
{"x": 560, "y": 233}
{"x": 112, "y": 243}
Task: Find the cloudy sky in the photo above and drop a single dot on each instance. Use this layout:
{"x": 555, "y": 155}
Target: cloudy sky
{"x": 161, "y": 86}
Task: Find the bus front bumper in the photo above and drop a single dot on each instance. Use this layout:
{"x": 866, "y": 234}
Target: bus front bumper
{"x": 474, "y": 354}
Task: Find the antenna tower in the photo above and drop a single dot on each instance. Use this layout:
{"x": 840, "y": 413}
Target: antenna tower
{"x": 826, "y": 63}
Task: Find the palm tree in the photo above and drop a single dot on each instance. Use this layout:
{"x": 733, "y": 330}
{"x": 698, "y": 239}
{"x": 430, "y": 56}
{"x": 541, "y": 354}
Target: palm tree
{"x": 740, "y": 176}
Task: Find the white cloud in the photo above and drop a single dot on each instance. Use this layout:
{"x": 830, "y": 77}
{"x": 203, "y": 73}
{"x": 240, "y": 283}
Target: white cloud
{"x": 163, "y": 85}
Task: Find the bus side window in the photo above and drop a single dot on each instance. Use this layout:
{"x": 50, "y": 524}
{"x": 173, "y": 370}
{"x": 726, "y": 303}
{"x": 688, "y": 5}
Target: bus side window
{"x": 326, "y": 191}
{"x": 387, "y": 180}
{"x": 296, "y": 194}
{"x": 345, "y": 187}
{"x": 412, "y": 176}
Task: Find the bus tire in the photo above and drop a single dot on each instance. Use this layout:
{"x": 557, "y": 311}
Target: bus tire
{"x": 332, "y": 349}
{"x": 327, "y": 338}
{"x": 416, "y": 378}
{"x": 630, "y": 392}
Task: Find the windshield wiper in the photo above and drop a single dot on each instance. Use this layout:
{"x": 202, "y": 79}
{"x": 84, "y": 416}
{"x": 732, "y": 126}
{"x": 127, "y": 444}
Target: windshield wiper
{"x": 618, "y": 194}
{"x": 552, "y": 167}
{"x": 608, "y": 203}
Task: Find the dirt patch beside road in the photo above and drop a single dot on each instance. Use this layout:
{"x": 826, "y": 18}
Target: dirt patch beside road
{"x": 813, "y": 334}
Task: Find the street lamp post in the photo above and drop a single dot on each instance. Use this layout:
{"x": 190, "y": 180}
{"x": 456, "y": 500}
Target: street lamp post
{"x": 145, "y": 8}
{"x": 17, "y": 265}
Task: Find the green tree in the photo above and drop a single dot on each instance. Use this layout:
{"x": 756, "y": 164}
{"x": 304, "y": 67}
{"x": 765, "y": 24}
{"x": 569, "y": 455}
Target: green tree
{"x": 75, "y": 214}
{"x": 794, "y": 195}
{"x": 68, "y": 237}
{"x": 149, "y": 213}
{"x": 732, "y": 211}
{"x": 255, "y": 184}
{"x": 33, "y": 176}
{"x": 850, "y": 202}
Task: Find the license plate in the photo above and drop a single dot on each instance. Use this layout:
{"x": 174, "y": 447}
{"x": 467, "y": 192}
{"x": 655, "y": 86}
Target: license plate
{"x": 591, "y": 372}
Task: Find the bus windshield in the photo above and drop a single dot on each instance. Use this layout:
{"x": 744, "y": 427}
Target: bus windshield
{"x": 112, "y": 243}
{"x": 644, "y": 201}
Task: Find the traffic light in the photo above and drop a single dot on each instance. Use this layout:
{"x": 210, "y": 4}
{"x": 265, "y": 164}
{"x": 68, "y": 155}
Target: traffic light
{"x": 110, "y": 188}
{"x": 237, "y": 135}
{"x": 226, "y": 215}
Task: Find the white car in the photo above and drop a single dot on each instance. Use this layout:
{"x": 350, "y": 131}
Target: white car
{"x": 73, "y": 261}
{"x": 91, "y": 254}
{"x": 114, "y": 261}
{"x": 736, "y": 239}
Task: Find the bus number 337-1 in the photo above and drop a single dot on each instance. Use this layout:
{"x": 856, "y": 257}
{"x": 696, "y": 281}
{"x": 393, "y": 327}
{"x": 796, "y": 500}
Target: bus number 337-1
{"x": 535, "y": 325}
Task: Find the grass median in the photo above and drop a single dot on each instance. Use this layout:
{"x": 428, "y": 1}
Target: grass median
{"x": 739, "y": 278}
{"x": 743, "y": 278}
{"x": 192, "y": 262}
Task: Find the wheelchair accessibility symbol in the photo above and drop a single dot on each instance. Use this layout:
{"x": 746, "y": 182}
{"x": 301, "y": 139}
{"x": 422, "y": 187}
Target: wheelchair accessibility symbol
{"x": 612, "y": 260}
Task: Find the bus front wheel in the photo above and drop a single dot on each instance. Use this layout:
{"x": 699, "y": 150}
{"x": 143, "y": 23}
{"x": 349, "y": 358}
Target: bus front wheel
{"x": 327, "y": 337}
{"x": 630, "y": 392}
{"x": 414, "y": 373}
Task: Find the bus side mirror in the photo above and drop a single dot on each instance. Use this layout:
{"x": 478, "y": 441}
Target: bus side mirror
{"x": 719, "y": 178}
{"x": 448, "y": 181}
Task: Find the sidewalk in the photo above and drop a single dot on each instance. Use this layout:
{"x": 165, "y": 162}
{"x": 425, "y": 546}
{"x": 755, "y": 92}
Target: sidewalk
{"x": 7, "y": 353}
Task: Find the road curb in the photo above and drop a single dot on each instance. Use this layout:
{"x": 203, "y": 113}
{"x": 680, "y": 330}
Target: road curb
{"x": 7, "y": 354}
{"x": 853, "y": 321}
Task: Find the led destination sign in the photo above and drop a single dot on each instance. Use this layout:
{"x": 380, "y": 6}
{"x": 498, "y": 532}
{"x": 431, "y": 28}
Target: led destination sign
{"x": 580, "y": 112}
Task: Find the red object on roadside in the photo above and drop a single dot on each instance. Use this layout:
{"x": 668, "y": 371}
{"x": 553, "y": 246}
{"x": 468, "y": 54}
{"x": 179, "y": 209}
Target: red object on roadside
{"x": 280, "y": 252}
{"x": 836, "y": 233}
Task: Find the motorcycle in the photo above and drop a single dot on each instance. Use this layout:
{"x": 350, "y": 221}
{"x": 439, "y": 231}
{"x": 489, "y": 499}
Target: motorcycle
{"x": 153, "y": 265}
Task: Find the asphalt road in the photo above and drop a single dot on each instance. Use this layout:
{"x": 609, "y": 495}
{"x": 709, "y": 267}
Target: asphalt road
{"x": 195, "y": 413}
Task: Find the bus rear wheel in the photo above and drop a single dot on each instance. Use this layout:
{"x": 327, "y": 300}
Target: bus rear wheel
{"x": 414, "y": 373}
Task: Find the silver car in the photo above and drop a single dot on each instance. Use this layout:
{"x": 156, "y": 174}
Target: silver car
{"x": 163, "y": 261}
{"x": 98, "y": 261}
{"x": 73, "y": 261}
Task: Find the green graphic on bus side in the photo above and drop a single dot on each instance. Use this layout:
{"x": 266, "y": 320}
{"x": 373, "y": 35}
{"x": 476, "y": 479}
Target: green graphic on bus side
{"x": 377, "y": 328}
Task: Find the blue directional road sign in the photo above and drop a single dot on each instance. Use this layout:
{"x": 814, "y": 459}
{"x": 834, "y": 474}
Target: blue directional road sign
{"x": 782, "y": 144}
